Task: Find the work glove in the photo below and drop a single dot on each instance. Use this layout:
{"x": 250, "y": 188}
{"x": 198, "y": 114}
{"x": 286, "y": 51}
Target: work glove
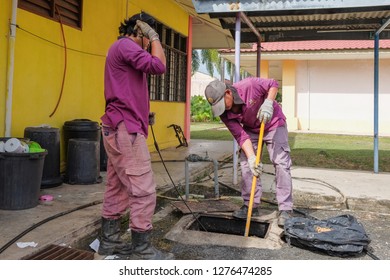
{"x": 257, "y": 170}
{"x": 147, "y": 31}
{"x": 266, "y": 111}
{"x": 152, "y": 118}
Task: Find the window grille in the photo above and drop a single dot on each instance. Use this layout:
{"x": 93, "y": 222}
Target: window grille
{"x": 171, "y": 86}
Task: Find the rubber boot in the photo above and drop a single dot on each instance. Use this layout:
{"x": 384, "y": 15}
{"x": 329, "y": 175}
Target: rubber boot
{"x": 143, "y": 250}
{"x": 242, "y": 213}
{"x": 110, "y": 239}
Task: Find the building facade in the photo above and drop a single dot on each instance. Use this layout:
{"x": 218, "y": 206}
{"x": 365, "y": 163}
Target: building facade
{"x": 53, "y": 55}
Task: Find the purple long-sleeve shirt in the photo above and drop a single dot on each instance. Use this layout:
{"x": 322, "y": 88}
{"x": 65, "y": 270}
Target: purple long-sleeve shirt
{"x": 125, "y": 85}
{"x": 253, "y": 91}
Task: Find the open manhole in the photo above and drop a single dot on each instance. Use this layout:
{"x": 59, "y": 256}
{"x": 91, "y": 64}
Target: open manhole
{"x": 228, "y": 225}
{"x": 221, "y": 229}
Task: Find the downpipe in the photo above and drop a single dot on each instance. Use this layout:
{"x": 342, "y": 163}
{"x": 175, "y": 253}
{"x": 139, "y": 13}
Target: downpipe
{"x": 10, "y": 70}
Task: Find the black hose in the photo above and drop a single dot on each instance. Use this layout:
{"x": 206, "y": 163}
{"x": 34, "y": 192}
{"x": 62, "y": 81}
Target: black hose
{"x": 169, "y": 175}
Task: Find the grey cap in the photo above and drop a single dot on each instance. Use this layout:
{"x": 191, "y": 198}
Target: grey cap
{"x": 215, "y": 92}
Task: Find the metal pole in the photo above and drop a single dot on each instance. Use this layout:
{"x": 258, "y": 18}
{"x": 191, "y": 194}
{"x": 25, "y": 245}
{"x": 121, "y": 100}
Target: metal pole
{"x": 258, "y": 58}
{"x": 216, "y": 183}
{"x": 222, "y": 69}
{"x": 237, "y": 78}
{"x": 376, "y": 94}
{"x": 187, "y": 179}
{"x": 376, "y": 100}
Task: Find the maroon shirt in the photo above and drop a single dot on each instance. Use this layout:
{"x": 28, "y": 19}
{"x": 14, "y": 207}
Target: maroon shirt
{"x": 253, "y": 91}
{"x": 125, "y": 85}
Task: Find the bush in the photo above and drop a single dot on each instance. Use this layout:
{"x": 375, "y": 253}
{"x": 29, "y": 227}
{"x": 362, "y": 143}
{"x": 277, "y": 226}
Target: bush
{"x": 201, "y": 110}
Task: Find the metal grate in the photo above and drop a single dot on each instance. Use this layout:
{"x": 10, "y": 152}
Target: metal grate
{"x": 56, "y": 252}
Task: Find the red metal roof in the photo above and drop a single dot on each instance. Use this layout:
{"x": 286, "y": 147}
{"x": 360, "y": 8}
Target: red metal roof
{"x": 320, "y": 45}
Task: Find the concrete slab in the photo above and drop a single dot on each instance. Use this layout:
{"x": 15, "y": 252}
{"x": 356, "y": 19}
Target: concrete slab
{"x": 205, "y": 206}
{"x": 181, "y": 233}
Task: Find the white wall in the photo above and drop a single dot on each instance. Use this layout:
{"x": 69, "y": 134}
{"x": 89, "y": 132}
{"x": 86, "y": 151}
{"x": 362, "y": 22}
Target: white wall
{"x": 199, "y": 81}
{"x": 338, "y": 96}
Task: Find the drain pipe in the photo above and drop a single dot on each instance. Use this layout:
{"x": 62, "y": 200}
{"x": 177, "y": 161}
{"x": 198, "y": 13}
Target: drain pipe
{"x": 10, "y": 69}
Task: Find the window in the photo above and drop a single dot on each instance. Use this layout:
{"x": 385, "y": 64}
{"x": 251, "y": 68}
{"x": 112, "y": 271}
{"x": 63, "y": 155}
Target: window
{"x": 171, "y": 86}
{"x": 69, "y": 10}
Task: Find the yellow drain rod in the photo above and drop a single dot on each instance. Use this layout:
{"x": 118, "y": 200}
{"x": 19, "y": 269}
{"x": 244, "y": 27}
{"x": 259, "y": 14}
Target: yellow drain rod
{"x": 250, "y": 206}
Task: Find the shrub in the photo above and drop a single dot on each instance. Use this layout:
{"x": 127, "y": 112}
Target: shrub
{"x": 201, "y": 110}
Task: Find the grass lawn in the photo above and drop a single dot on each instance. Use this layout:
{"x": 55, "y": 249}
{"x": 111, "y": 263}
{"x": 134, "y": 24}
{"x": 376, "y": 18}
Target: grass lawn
{"x": 317, "y": 150}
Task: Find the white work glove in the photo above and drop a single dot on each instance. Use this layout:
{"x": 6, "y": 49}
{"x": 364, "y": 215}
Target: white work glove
{"x": 147, "y": 31}
{"x": 152, "y": 118}
{"x": 266, "y": 111}
{"x": 257, "y": 170}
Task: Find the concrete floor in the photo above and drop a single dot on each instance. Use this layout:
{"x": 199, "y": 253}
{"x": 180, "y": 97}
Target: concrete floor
{"x": 74, "y": 213}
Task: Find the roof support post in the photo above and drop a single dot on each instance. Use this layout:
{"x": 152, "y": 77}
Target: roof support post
{"x": 376, "y": 101}
{"x": 237, "y": 53}
{"x": 376, "y": 94}
{"x": 256, "y": 32}
{"x": 258, "y": 59}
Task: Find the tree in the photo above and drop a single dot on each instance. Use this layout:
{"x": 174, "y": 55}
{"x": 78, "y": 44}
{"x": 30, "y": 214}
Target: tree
{"x": 195, "y": 63}
{"x": 211, "y": 59}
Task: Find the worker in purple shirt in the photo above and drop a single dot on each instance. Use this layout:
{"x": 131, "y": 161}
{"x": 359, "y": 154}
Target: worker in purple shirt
{"x": 130, "y": 184}
{"x": 242, "y": 107}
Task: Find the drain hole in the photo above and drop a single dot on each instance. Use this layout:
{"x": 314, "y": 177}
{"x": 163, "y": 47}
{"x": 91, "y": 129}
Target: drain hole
{"x": 229, "y": 225}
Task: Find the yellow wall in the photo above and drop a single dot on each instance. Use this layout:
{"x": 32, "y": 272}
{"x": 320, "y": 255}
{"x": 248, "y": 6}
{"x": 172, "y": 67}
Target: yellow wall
{"x": 39, "y": 66}
{"x": 165, "y": 11}
{"x": 264, "y": 69}
{"x": 289, "y": 96}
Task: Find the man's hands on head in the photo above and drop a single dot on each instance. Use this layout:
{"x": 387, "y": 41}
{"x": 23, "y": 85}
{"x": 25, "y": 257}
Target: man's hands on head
{"x": 147, "y": 31}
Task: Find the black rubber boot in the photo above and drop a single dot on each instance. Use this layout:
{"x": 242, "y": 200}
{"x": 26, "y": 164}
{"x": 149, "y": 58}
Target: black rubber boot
{"x": 283, "y": 216}
{"x": 143, "y": 250}
{"x": 242, "y": 213}
{"x": 110, "y": 239}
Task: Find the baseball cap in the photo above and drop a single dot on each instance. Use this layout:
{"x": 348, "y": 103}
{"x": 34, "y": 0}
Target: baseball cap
{"x": 215, "y": 92}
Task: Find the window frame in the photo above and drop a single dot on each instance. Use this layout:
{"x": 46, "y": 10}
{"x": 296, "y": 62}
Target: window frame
{"x": 172, "y": 85}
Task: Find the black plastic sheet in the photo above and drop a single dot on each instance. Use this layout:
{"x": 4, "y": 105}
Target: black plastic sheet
{"x": 338, "y": 236}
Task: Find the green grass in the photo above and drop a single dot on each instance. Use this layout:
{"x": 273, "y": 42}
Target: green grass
{"x": 317, "y": 150}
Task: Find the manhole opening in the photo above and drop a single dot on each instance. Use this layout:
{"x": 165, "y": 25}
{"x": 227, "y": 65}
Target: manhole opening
{"x": 228, "y": 225}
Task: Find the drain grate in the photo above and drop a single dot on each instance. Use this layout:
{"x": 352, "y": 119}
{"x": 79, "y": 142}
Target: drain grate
{"x": 229, "y": 225}
{"x": 56, "y": 252}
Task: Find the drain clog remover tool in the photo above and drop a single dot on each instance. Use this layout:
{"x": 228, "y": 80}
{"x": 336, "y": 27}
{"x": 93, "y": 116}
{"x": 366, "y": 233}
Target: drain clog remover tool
{"x": 258, "y": 154}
